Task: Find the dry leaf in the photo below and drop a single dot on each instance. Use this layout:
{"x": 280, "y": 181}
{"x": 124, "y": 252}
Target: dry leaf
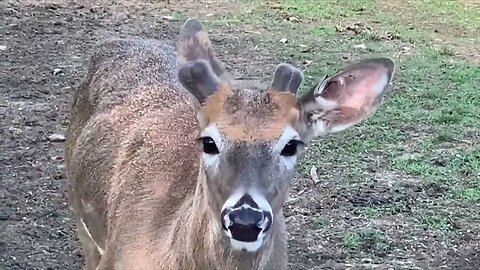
{"x": 168, "y": 18}
{"x": 314, "y": 175}
{"x": 293, "y": 19}
{"x": 360, "y": 46}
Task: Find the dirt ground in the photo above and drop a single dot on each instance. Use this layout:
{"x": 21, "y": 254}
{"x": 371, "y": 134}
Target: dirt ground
{"x": 44, "y": 48}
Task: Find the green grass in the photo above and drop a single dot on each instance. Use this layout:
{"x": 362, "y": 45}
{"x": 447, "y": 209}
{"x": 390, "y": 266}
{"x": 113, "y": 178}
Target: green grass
{"x": 434, "y": 221}
{"x": 453, "y": 12}
{"x": 317, "y": 222}
{"x": 368, "y": 241}
{"x": 375, "y": 212}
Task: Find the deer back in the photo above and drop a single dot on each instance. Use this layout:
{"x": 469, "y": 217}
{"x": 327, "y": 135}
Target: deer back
{"x": 132, "y": 128}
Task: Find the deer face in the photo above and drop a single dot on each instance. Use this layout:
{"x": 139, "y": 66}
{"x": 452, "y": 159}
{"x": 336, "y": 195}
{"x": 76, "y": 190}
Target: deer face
{"x": 249, "y": 153}
{"x": 250, "y": 140}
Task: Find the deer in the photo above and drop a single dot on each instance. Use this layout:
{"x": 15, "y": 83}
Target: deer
{"x": 174, "y": 164}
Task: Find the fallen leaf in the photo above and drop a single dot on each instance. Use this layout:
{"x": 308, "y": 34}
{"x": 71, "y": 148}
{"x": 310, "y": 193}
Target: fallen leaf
{"x": 360, "y": 46}
{"x": 307, "y": 63}
{"x": 169, "y": 18}
{"x": 314, "y": 175}
{"x": 293, "y": 19}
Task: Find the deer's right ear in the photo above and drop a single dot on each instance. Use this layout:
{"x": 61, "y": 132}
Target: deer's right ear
{"x": 194, "y": 44}
{"x": 286, "y": 78}
{"x": 199, "y": 79}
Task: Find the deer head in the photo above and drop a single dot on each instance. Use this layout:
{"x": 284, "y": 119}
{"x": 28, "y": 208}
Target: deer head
{"x": 250, "y": 140}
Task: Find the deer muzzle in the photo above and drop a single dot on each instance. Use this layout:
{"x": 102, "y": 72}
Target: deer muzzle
{"x": 246, "y": 219}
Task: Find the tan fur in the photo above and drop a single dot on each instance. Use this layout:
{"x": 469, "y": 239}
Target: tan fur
{"x": 237, "y": 122}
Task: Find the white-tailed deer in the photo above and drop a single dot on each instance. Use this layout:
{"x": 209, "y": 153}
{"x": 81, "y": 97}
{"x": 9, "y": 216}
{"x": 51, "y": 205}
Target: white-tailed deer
{"x": 174, "y": 165}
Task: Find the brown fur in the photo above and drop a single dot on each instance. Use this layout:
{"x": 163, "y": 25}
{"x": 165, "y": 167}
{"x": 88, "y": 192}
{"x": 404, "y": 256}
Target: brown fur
{"x": 132, "y": 157}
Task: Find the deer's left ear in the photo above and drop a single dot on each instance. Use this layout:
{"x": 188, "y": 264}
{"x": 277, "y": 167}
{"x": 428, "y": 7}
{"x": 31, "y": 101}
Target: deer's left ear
{"x": 346, "y": 98}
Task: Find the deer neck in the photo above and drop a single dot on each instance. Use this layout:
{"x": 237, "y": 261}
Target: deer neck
{"x": 201, "y": 243}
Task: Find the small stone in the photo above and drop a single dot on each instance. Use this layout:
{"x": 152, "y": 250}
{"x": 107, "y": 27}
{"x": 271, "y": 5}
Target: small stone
{"x": 56, "y": 71}
{"x": 283, "y": 40}
{"x": 3, "y": 47}
{"x": 56, "y": 138}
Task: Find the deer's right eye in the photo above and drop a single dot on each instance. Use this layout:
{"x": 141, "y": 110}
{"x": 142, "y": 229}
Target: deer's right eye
{"x": 209, "y": 146}
{"x": 291, "y": 148}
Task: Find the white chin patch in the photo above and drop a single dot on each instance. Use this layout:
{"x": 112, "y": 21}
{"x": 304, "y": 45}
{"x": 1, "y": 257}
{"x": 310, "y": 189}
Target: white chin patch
{"x": 247, "y": 246}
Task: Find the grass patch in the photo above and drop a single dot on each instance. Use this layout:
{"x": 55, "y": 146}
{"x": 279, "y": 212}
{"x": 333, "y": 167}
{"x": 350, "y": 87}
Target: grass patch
{"x": 435, "y": 93}
{"x": 368, "y": 241}
{"x": 317, "y": 223}
{"x": 434, "y": 221}
{"x": 452, "y": 12}
{"x": 468, "y": 194}
{"x": 372, "y": 212}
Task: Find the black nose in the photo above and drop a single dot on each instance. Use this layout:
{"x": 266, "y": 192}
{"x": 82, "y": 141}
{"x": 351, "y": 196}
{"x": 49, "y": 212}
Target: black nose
{"x": 246, "y": 224}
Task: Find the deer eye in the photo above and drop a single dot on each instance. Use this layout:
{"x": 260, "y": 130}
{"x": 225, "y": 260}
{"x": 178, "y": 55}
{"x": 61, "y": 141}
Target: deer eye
{"x": 291, "y": 148}
{"x": 209, "y": 146}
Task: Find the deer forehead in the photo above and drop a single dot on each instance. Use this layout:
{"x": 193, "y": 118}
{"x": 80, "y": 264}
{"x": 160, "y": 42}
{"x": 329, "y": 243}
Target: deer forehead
{"x": 248, "y": 115}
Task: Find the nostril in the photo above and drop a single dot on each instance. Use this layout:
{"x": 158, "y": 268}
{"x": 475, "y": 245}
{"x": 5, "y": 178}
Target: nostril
{"x": 249, "y": 218}
{"x": 245, "y": 224}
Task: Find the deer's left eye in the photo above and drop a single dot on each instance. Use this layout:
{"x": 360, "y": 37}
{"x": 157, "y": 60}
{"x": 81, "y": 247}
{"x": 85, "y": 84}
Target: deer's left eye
{"x": 209, "y": 146}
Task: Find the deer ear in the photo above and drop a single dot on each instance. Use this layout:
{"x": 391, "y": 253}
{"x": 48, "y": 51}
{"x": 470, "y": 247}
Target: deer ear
{"x": 199, "y": 79}
{"x": 346, "y": 98}
{"x": 193, "y": 44}
{"x": 286, "y": 78}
